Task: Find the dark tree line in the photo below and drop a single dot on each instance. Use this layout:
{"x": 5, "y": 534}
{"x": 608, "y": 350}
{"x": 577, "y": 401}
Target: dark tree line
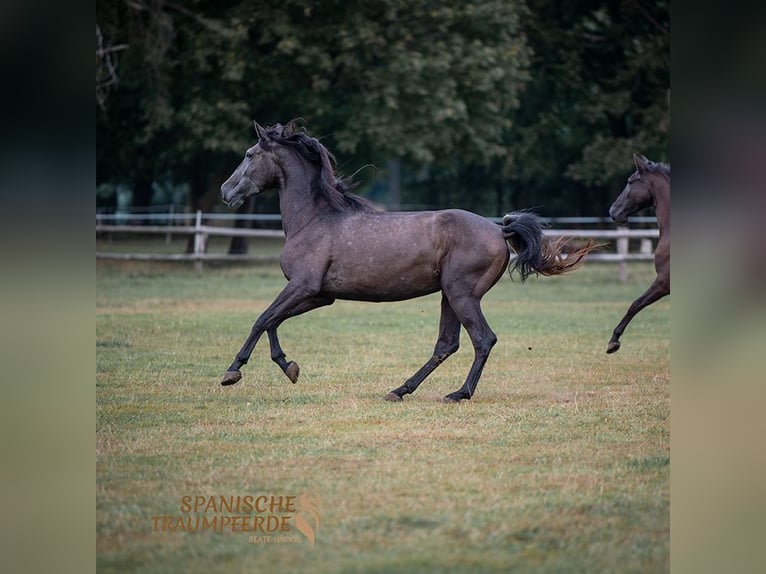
{"x": 487, "y": 105}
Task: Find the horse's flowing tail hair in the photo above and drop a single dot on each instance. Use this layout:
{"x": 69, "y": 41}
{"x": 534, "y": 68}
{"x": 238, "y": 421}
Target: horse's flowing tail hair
{"x": 536, "y": 253}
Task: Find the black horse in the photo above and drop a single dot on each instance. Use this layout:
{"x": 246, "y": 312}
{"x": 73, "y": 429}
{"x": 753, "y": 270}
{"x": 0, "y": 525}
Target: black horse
{"x": 648, "y": 186}
{"x": 338, "y": 246}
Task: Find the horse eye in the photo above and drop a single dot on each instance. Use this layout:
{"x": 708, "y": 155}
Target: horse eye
{"x": 249, "y": 154}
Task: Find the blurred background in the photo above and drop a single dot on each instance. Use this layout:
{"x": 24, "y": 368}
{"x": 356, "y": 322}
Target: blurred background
{"x": 490, "y": 105}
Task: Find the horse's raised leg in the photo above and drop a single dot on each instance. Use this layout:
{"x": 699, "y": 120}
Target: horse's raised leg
{"x": 468, "y": 310}
{"x": 289, "y": 368}
{"x": 657, "y": 290}
{"x": 447, "y": 343}
{"x": 294, "y": 299}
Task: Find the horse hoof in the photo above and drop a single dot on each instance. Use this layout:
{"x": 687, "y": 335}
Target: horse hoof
{"x": 612, "y": 346}
{"x": 292, "y": 371}
{"x": 230, "y": 377}
{"x": 452, "y": 398}
{"x": 394, "y": 398}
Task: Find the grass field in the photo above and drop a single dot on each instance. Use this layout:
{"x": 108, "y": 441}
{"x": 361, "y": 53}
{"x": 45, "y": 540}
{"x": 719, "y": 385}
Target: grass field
{"x": 560, "y": 462}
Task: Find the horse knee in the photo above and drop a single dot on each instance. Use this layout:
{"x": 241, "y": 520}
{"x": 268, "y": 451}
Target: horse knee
{"x": 445, "y": 350}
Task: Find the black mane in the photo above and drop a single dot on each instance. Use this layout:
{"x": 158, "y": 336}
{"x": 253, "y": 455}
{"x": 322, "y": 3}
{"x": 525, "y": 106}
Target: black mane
{"x": 659, "y": 167}
{"x": 334, "y": 188}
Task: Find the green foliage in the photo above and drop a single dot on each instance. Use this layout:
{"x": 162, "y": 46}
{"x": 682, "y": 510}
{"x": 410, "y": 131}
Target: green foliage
{"x": 600, "y": 92}
{"x": 538, "y": 105}
{"x": 393, "y": 78}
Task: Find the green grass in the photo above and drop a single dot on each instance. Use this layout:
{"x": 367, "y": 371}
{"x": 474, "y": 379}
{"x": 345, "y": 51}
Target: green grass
{"x": 560, "y": 462}
{"x": 158, "y": 243}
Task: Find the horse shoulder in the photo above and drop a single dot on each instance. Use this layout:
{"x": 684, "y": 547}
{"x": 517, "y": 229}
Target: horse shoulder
{"x": 306, "y": 255}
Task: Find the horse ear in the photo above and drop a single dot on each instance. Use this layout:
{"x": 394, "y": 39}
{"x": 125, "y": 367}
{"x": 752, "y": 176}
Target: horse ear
{"x": 259, "y": 131}
{"x": 640, "y": 162}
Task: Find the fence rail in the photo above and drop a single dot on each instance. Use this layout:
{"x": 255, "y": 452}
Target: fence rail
{"x": 202, "y": 232}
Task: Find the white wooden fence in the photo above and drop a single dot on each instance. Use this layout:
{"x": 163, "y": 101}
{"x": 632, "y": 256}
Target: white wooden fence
{"x": 620, "y": 237}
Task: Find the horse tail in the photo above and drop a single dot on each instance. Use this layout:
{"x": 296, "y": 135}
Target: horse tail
{"x": 536, "y": 253}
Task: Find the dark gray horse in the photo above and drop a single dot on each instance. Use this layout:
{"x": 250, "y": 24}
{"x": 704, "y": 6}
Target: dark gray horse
{"x": 648, "y": 186}
{"x": 338, "y": 246}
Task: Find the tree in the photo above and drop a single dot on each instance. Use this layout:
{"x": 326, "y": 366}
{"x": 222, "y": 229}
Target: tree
{"x": 430, "y": 82}
{"x": 599, "y": 92}
{"x": 483, "y": 104}
{"x": 177, "y": 108}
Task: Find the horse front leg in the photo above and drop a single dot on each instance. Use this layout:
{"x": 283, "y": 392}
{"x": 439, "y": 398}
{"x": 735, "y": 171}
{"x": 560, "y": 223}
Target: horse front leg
{"x": 292, "y": 297}
{"x": 657, "y": 290}
{"x": 291, "y": 368}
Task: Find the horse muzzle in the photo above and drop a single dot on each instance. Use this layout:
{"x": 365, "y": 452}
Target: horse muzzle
{"x": 233, "y": 196}
{"x": 235, "y": 203}
{"x": 618, "y": 216}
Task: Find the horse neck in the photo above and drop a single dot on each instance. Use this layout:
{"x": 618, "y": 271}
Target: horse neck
{"x": 296, "y": 203}
{"x": 661, "y": 194}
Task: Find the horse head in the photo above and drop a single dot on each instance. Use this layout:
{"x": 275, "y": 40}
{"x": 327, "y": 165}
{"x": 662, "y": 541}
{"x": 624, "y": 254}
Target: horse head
{"x": 637, "y": 193}
{"x": 259, "y": 171}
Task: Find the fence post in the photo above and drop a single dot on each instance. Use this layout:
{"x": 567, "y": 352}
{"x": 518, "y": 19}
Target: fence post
{"x": 646, "y": 246}
{"x": 622, "y": 250}
{"x": 200, "y": 241}
{"x": 169, "y": 234}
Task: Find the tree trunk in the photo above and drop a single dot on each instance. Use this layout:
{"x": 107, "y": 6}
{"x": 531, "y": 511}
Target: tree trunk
{"x": 142, "y": 195}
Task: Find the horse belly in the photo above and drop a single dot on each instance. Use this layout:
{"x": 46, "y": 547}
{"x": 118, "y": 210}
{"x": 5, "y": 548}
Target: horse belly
{"x": 382, "y": 278}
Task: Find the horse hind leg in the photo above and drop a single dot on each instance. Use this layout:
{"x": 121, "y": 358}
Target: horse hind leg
{"x": 468, "y": 310}
{"x": 446, "y": 344}
{"x": 657, "y": 290}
